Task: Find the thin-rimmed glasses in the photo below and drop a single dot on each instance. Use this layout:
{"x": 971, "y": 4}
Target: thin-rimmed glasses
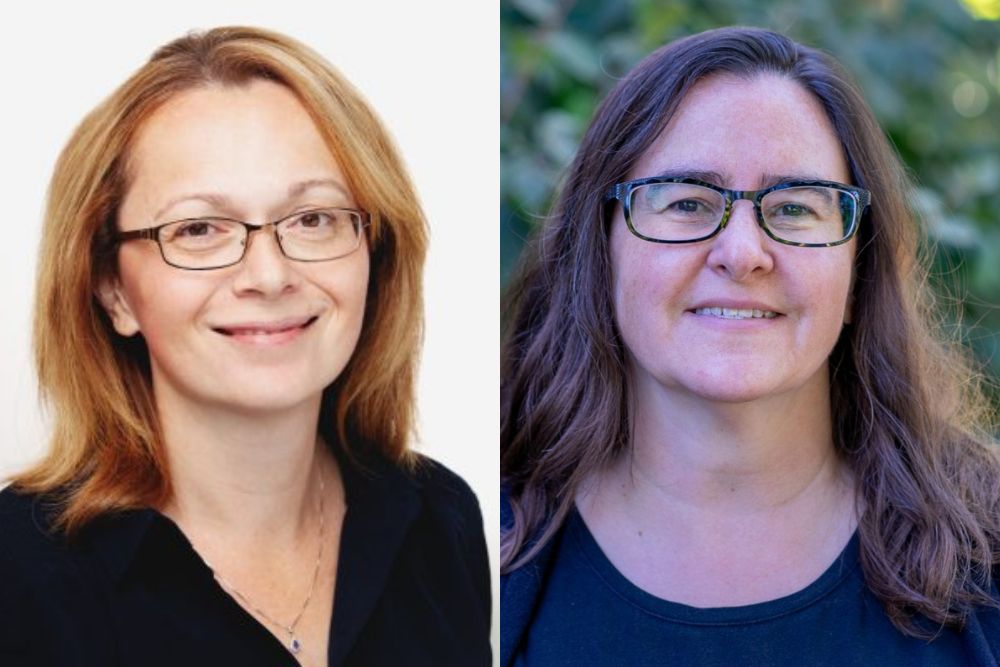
{"x": 315, "y": 235}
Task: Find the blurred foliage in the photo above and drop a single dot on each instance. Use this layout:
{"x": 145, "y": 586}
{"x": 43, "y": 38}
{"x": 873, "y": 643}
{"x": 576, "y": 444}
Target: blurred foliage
{"x": 929, "y": 68}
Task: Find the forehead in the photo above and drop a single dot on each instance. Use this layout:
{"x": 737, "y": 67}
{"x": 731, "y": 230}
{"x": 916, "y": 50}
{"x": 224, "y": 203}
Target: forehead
{"x": 745, "y": 130}
{"x": 248, "y": 142}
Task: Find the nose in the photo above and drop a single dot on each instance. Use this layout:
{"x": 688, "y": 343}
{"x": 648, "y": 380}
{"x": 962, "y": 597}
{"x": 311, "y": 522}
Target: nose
{"x": 264, "y": 269}
{"x": 741, "y": 251}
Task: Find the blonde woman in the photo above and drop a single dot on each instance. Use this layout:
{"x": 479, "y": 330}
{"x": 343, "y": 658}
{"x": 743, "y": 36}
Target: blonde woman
{"x": 228, "y": 318}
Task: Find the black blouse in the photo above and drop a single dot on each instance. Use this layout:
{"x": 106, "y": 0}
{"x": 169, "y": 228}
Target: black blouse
{"x": 413, "y": 584}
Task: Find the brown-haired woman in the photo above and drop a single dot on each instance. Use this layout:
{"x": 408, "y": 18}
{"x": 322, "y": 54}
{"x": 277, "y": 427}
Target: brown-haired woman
{"x": 228, "y": 319}
{"x": 729, "y": 435}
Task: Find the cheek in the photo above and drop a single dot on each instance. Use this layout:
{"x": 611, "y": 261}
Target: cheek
{"x": 623, "y": 282}
{"x": 346, "y": 285}
{"x": 163, "y": 300}
{"x": 349, "y": 293}
{"x": 352, "y": 284}
{"x": 644, "y": 285}
{"x": 823, "y": 289}
{"x": 834, "y": 293}
{"x": 633, "y": 301}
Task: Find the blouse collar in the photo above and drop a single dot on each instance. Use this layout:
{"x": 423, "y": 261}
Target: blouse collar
{"x": 382, "y": 502}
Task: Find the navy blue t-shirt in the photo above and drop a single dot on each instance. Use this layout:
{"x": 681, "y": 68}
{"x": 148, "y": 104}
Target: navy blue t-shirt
{"x": 590, "y": 614}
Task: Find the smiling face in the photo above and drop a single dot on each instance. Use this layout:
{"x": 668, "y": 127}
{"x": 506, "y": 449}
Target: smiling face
{"x": 268, "y": 332}
{"x": 686, "y": 312}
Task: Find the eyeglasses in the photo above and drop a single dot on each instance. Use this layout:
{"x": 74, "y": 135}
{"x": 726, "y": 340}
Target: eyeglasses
{"x": 685, "y": 210}
{"x": 198, "y": 244}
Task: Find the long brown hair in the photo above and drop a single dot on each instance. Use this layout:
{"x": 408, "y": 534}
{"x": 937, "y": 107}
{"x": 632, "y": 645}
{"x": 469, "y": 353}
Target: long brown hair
{"x": 106, "y": 451}
{"x": 908, "y": 414}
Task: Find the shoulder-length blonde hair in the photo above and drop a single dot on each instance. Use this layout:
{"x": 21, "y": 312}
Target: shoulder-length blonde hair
{"x": 106, "y": 452}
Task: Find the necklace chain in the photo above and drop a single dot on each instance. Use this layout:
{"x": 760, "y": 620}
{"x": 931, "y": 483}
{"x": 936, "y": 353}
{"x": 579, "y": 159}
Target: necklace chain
{"x": 294, "y": 644}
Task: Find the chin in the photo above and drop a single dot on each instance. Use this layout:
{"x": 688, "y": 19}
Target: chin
{"x": 731, "y": 395}
{"x": 736, "y": 384}
{"x": 262, "y": 396}
{"x": 268, "y": 402}
{"x": 278, "y": 387}
{"x": 720, "y": 392}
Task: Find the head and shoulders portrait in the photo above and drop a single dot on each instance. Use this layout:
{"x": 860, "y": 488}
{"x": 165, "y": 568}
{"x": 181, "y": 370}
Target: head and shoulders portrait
{"x": 227, "y": 331}
{"x": 731, "y": 433}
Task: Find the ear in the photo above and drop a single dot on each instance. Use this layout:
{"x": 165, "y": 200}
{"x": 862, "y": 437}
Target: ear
{"x": 112, "y": 297}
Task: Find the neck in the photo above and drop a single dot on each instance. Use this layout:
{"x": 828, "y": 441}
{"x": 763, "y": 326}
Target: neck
{"x": 704, "y": 459}
{"x": 246, "y": 477}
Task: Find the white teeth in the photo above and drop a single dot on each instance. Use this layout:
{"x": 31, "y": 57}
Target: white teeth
{"x": 737, "y": 313}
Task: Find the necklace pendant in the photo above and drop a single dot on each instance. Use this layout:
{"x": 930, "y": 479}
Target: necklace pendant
{"x": 295, "y": 645}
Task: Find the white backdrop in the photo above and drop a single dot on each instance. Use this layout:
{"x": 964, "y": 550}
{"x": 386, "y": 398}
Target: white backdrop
{"x": 431, "y": 70}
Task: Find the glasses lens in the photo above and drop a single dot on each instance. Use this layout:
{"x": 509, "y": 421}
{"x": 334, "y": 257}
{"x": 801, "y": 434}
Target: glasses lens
{"x": 675, "y": 211}
{"x": 320, "y": 234}
{"x": 809, "y": 214}
{"x": 203, "y": 243}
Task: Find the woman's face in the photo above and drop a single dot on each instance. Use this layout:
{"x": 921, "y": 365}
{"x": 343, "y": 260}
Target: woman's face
{"x": 742, "y": 135}
{"x": 267, "y": 333}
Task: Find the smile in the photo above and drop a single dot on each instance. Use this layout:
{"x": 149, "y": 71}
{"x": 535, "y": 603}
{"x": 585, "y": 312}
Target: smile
{"x": 736, "y": 313}
{"x": 267, "y": 333}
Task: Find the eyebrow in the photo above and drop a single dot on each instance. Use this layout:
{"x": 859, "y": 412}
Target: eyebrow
{"x": 825, "y": 193}
{"x": 770, "y": 180}
{"x": 713, "y": 177}
{"x": 219, "y": 200}
{"x": 716, "y": 178}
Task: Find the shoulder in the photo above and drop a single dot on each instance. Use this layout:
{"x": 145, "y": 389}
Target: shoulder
{"x": 506, "y": 509}
{"x": 20, "y": 541}
{"x": 542, "y": 553}
{"x": 35, "y": 556}
{"x": 32, "y": 550}
{"x": 445, "y": 551}
{"x": 436, "y": 504}
{"x": 521, "y": 589}
{"x": 448, "y": 530}
{"x": 26, "y": 534}
{"x": 981, "y": 632}
{"x": 47, "y": 585}
{"x": 442, "y": 486}
{"x": 446, "y": 497}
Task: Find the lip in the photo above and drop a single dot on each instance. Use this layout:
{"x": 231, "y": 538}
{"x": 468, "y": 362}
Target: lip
{"x": 266, "y": 332}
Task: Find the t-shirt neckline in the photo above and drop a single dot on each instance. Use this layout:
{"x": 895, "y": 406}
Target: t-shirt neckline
{"x": 842, "y": 567}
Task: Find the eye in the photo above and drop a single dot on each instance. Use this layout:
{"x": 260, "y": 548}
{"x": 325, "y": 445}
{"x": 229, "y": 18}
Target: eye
{"x": 679, "y": 202}
{"x": 194, "y": 229}
{"x": 313, "y": 220}
{"x": 690, "y": 210}
{"x": 792, "y": 210}
{"x": 686, "y": 206}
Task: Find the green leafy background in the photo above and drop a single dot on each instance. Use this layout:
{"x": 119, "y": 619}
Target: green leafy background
{"x": 929, "y": 69}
